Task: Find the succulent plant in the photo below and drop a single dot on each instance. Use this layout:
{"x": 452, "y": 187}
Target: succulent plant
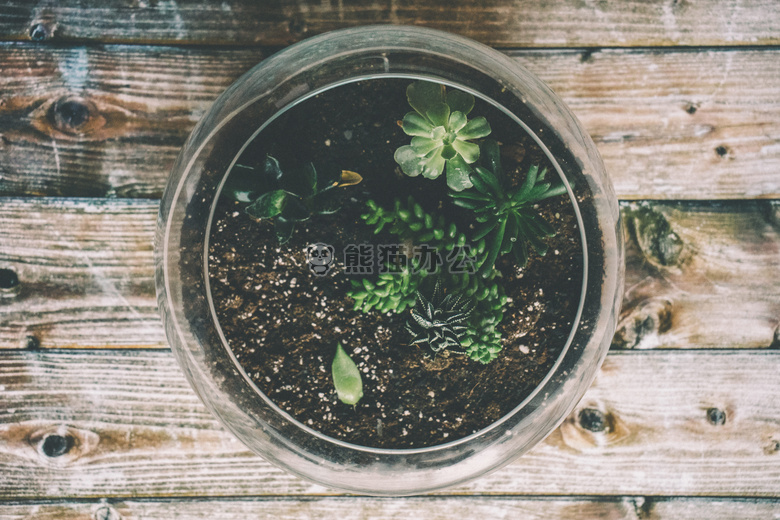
{"x": 346, "y": 377}
{"x": 287, "y": 196}
{"x": 393, "y": 291}
{"x": 507, "y": 218}
{"x": 441, "y": 134}
{"x": 440, "y": 321}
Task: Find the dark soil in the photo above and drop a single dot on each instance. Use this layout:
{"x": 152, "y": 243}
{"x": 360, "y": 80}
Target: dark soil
{"x": 283, "y": 323}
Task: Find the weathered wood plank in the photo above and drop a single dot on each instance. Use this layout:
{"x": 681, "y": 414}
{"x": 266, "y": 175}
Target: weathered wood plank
{"x": 109, "y": 121}
{"x": 699, "y": 275}
{"x": 433, "y": 508}
{"x": 674, "y": 423}
{"x": 496, "y": 22}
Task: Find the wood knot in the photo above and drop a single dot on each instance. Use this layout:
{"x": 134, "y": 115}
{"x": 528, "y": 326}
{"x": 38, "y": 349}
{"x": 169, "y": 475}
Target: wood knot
{"x": 592, "y": 426}
{"x": 73, "y": 115}
{"x": 32, "y": 342}
{"x": 60, "y": 445}
{"x": 716, "y": 416}
{"x": 57, "y": 445}
{"x": 44, "y": 27}
{"x": 642, "y": 323}
{"x": 9, "y": 283}
{"x": 654, "y": 235}
{"x": 594, "y": 420}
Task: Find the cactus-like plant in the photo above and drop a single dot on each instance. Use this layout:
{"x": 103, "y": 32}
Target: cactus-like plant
{"x": 508, "y": 218}
{"x": 287, "y": 196}
{"x": 396, "y": 291}
{"x": 440, "y": 321}
{"x": 441, "y": 134}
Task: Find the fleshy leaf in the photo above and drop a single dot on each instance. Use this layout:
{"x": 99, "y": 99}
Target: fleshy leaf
{"x": 295, "y": 210}
{"x": 457, "y": 121}
{"x": 458, "y": 173}
{"x": 424, "y": 95}
{"x": 469, "y": 151}
{"x": 349, "y": 178}
{"x": 272, "y": 169}
{"x": 475, "y": 129}
{"x": 439, "y": 114}
{"x": 460, "y": 101}
{"x": 268, "y": 205}
{"x": 409, "y": 161}
{"x": 415, "y": 124}
{"x": 301, "y": 181}
{"x": 346, "y": 377}
{"x": 448, "y": 152}
{"x": 423, "y": 145}
{"x": 491, "y": 157}
{"x": 434, "y": 165}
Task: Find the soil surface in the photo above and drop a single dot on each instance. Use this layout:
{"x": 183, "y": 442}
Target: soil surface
{"x": 283, "y": 323}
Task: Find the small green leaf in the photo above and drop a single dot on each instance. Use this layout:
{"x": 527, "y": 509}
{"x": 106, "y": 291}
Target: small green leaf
{"x": 268, "y": 205}
{"x": 489, "y": 180}
{"x": 295, "y": 210}
{"x": 491, "y": 157}
{"x": 423, "y": 145}
{"x": 409, "y": 161}
{"x": 469, "y": 151}
{"x": 424, "y": 95}
{"x": 458, "y": 174}
{"x": 346, "y": 377}
{"x": 301, "y": 181}
{"x": 475, "y": 129}
{"x": 439, "y": 114}
{"x": 433, "y": 164}
{"x": 415, "y": 124}
{"x": 271, "y": 168}
{"x": 460, "y": 101}
{"x": 457, "y": 121}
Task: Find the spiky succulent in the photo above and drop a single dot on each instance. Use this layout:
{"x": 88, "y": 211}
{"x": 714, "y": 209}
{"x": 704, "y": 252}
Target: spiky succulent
{"x": 508, "y": 219}
{"x": 441, "y": 134}
{"x": 440, "y": 321}
{"x": 287, "y": 196}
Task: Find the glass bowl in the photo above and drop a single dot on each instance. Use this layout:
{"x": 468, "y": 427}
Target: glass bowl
{"x": 284, "y": 80}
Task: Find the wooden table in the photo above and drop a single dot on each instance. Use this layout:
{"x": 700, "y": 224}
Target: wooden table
{"x": 683, "y": 100}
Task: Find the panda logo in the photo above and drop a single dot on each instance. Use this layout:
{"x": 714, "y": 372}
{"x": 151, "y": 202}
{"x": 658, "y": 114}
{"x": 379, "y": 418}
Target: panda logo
{"x": 320, "y": 258}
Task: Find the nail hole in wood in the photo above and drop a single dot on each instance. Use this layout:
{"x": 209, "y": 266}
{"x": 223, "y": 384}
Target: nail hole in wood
{"x": 592, "y": 420}
{"x": 32, "y": 343}
{"x": 716, "y": 416}
{"x": 8, "y": 279}
{"x": 107, "y": 513}
{"x": 691, "y": 109}
{"x": 722, "y": 151}
{"x": 39, "y": 32}
{"x": 56, "y": 445}
{"x": 297, "y": 25}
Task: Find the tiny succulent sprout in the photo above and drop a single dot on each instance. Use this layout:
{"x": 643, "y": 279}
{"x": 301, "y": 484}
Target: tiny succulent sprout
{"x": 346, "y": 377}
{"x": 287, "y": 196}
{"x": 440, "y": 321}
{"x": 506, "y": 218}
{"x": 441, "y": 134}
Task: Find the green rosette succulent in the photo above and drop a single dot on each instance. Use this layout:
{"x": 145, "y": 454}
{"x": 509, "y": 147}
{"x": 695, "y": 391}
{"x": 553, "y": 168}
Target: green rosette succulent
{"x": 441, "y": 134}
{"x": 507, "y": 218}
{"x": 288, "y": 196}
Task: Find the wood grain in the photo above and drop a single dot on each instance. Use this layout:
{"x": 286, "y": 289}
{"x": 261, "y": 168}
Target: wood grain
{"x": 109, "y": 121}
{"x": 495, "y": 22}
{"x": 86, "y": 273}
{"x": 433, "y": 508}
{"x": 134, "y": 428}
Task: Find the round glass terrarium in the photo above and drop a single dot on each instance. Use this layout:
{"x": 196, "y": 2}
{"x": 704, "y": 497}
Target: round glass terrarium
{"x": 390, "y": 138}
